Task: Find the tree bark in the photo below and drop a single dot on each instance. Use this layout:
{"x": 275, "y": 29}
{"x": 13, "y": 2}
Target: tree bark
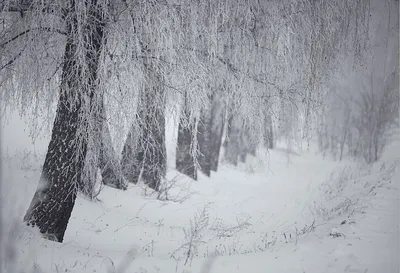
{"x": 153, "y": 140}
{"x": 55, "y": 196}
{"x": 204, "y": 141}
{"x": 269, "y": 132}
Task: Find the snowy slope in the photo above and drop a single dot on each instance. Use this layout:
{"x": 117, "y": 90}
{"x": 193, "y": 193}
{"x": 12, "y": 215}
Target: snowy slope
{"x": 306, "y": 214}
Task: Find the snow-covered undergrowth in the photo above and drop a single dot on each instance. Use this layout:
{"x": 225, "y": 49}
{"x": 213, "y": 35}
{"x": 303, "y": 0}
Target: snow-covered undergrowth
{"x": 271, "y": 214}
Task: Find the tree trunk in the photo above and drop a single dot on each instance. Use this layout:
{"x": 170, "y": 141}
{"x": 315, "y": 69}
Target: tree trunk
{"x": 185, "y": 162}
{"x": 132, "y": 158}
{"x": 101, "y": 155}
{"x": 153, "y": 140}
{"x": 55, "y": 196}
{"x": 243, "y": 156}
{"x": 110, "y": 167}
{"x": 269, "y": 133}
{"x": 217, "y": 129}
{"x": 243, "y": 145}
{"x": 252, "y": 148}
{"x": 145, "y": 145}
{"x": 204, "y": 141}
{"x": 232, "y": 142}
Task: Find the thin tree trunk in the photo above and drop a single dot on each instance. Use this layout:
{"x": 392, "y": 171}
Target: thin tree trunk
{"x": 269, "y": 133}
{"x": 55, "y": 196}
{"x": 101, "y": 155}
{"x": 185, "y": 162}
{"x": 145, "y": 148}
{"x": 204, "y": 141}
{"x": 110, "y": 167}
{"x": 132, "y": 158}
{"x": 153, "y": 140}
{"x": 243, "y": 156}
{"x": 232, "y": 141}
{"x": 243, "y": 146}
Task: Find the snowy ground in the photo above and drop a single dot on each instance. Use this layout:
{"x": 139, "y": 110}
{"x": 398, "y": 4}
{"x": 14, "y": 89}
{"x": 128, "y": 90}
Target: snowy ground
{"x": 272, "y": 214}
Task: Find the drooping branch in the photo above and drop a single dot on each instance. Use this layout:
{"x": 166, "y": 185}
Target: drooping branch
{"x": 232, "y": 68}
{"x": 10, "y": 62}
{"x": 48, "y": 29}
{"x": 22, "y": 7}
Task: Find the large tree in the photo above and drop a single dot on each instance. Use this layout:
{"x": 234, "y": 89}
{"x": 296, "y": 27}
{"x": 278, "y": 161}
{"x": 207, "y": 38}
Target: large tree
{"x": 55, "y": 196}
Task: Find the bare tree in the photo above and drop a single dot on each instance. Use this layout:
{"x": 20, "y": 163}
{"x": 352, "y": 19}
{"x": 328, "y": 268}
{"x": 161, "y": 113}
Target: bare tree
{"x": 363, "y": 105}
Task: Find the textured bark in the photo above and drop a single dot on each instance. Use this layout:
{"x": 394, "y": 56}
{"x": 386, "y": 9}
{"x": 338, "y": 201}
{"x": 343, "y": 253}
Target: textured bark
{"x": 204, "y": 141}
{"x": 185, "y": 162}
{"x": 55, "y": 196}
{"x": 153, "y": 140}
{"x": 269, "y": 133}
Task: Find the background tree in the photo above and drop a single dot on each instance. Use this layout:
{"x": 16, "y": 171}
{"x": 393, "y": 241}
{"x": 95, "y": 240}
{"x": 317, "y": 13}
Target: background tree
{"x": 217, "y": 129}
{"x": 362, "y": 103}
{"x": 186, "y": 162}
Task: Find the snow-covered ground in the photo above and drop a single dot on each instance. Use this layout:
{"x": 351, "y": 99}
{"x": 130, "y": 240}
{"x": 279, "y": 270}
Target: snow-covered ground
{"x": 275, "y": 213}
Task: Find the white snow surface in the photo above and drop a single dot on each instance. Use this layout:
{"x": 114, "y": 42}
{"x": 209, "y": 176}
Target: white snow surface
{"x": 279, "y": 212}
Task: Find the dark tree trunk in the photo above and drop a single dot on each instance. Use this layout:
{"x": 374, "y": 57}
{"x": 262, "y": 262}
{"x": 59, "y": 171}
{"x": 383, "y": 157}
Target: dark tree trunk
{"x": 185, "y": 162}
{"x": 269, "y": 133}
{"x": 55, "y": 196}
{"x": 243, "y": 145}
{"x": 153, "y": 140}
{"x": 54, "y": 199}
{"x": 217, "y": 129}
{"x": 209, "y": 136}
{"x": 210, "y": 130}
{"x": 204, "y": 141}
